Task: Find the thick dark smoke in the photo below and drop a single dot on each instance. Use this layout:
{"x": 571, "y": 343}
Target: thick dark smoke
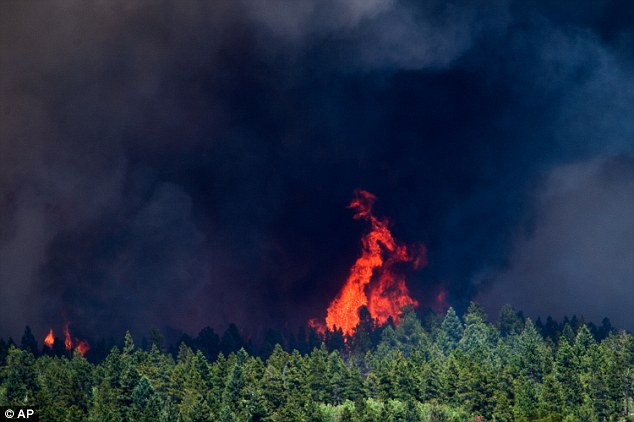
{"x": 182, "y": 164}
{"x": 579, "y": 258}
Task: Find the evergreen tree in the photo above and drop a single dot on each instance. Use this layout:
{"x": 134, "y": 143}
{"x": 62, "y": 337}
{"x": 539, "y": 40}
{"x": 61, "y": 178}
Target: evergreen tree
{"x": 335, "y": 340}
{"x": 526, "y": 393}
{"x": 231, "y": 341}
{"x": 20, "y": 379}
{"x": 146, "y": 405}
{"x": 467, "y": 373}
{"x": 155, "y": 338}
{"x": 235, "y": 381}
{"x": 510, "y": 322}
{"x": 337, "y": 378}
{"x": 28, "y": 342}
{"x": 128, "y": 344}
{"x": 531, "y": 356}
{"x": 568, "y": 333}
{"x": 478, "y": 339}
{"x": 409, "y": 335}
{"x": 157, "y": 367}
{"x": 567, "y": 374}
{"x": 274, "y": 378}
{"x": 450, "y": 333}
{"x": 551, "y": 330}
{"x": 317, "y": 378}
{"x": 61, "y": 395}
{"x": 551, "y": 403}
{"x": 363, "y": 336}
{"x": 255, "y": 406}
{"x": 272, "y": 338}
{"x": 4, "y": 350}
{"x": 583, "y": 342}
{"x": 208, "y": 342}
{"x": 451, "y": 386}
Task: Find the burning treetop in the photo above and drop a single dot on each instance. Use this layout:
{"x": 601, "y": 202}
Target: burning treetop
{"x": 373, "y": 280}
{"x": 81, "y": 346}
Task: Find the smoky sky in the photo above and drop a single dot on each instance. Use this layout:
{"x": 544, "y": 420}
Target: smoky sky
{"x": 182, "y": 164}
{"x": 578, "y": 258}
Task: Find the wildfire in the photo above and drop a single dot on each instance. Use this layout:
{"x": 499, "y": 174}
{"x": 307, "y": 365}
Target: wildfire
{"x": 50, "y": 339}
{"x": 373, "y": 280}
{"x": 67, "y": 341}
{"x": 81, "y": 346}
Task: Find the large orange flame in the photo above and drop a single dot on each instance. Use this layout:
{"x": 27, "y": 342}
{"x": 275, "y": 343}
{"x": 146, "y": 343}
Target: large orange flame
{"x": 373, "y": 281}
{"x": 50, "y": 339}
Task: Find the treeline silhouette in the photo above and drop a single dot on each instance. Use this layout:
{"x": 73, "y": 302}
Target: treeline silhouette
{"x": 428, "y": 368}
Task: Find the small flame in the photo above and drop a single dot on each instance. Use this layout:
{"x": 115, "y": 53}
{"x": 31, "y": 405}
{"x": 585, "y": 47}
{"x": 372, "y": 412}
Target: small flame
{"x": 441, "y": 297}
{"x": 50, "y": 339}
{"x": 67, "y": 341}
{"x": 373, "y": 280}
{"x": 318, "y": 326}
{"x": 82, "y": 347}
{"x": 440, "y": 304}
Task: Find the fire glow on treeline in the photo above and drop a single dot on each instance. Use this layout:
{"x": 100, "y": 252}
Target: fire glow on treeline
{"x": 81, "y": 346}
{"x": 373, "y": 281}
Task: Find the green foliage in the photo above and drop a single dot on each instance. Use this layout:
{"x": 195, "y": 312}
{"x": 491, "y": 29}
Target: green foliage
{"x": 20, "y": 384}
{"x": 475, "y": 371}
{"x": 510, "y": 322}
{"x": 450, "y": 333}
{"x": 28, "y": 342}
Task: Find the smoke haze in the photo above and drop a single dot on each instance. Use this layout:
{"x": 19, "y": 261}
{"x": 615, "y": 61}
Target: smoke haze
{"x": 176, "y": 165}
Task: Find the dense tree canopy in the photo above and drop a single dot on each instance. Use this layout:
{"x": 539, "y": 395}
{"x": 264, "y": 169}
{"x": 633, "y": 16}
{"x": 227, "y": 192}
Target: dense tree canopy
{"x": 449, "y": 369}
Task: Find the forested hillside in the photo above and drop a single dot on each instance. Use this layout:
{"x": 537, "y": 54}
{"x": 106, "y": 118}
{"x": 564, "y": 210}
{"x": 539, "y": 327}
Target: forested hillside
{"x": 442, "y": 369}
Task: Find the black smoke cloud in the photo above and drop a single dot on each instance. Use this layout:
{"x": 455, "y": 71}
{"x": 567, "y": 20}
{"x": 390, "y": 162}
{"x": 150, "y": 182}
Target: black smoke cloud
{"x": 178, "y": 165}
